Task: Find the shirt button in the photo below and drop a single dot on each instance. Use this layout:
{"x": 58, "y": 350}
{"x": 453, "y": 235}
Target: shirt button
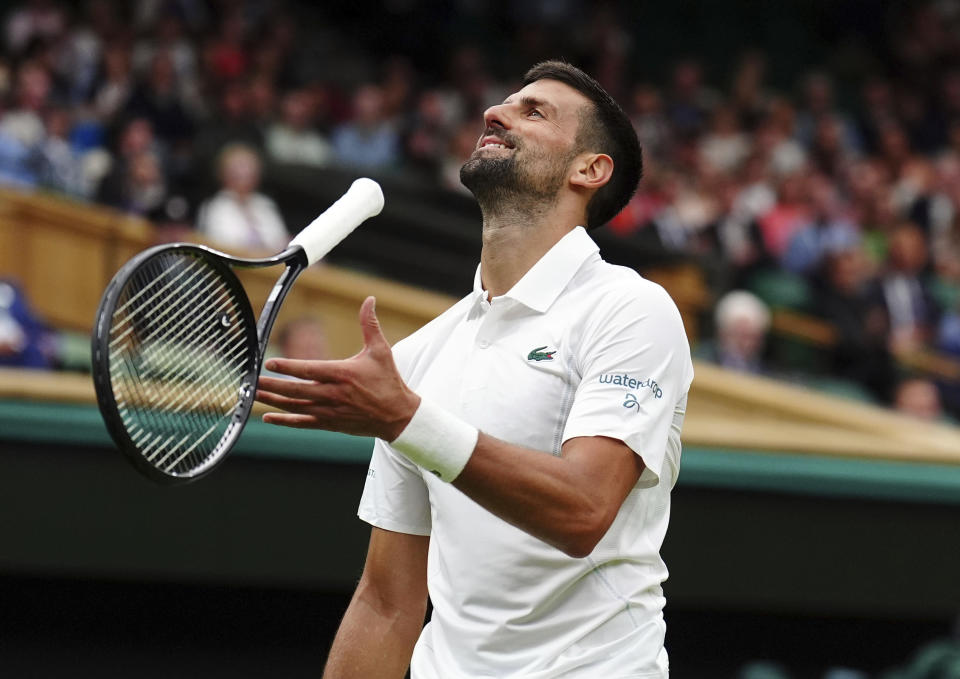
{"x": 483, "y": 344}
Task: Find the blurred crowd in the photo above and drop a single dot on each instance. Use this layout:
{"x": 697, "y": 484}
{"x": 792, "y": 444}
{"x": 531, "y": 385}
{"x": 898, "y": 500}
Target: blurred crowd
{"x": 841, "y": 203}
{"x": 848, "y": 213}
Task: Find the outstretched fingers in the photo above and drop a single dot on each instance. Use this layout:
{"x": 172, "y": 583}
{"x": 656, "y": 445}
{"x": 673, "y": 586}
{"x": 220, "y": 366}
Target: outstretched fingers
{"x": 283, "y": 402}
{"x": 294, "y": 388}
{"x": 317, "y": 371}
{"x": 295, "y": 420}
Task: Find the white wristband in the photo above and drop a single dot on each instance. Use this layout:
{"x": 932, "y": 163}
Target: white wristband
{"x": 437, "y": 440}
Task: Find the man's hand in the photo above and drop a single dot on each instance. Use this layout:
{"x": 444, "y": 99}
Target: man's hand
{"x": 362, "y": 395}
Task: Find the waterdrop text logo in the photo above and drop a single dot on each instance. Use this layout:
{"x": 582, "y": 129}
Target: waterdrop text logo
{"x": 624, "y": 380}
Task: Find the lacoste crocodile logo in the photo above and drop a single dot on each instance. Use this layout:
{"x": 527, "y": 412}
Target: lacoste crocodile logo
{"x": 539, "y": 354}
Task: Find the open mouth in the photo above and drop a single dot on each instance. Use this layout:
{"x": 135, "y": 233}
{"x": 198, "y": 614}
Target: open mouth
{"x": 494, "y": 142}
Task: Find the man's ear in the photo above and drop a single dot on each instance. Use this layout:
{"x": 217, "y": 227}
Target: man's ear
{"x": 592, "y": 170}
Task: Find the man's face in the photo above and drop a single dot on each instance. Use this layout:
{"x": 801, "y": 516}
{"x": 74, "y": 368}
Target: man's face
{"x": 528, "y": 144}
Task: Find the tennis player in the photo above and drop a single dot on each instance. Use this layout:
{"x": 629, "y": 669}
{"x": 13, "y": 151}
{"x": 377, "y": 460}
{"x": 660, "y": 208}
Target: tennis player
{"x": 528, "y": 438}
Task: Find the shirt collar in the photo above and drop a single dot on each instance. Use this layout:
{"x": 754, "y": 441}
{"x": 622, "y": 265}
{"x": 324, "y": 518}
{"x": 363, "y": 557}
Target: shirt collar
{"x": 543, "y": 283}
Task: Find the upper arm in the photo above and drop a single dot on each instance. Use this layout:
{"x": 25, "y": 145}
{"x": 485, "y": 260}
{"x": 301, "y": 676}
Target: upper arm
{"x": 608, "y": 468}
{"x": 395, "y": 573}
{"x": 635, "y": 368}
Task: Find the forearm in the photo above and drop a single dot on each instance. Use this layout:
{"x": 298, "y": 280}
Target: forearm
{"x": 374, "y": 640}
{"x": 559, "y": 500}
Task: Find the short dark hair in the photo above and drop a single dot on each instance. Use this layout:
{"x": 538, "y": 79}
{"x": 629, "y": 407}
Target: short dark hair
{"x": 606, "y": 129}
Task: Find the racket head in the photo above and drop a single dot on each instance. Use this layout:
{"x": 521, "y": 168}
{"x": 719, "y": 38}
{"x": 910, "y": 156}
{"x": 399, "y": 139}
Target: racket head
{"x": 175, "y": 361}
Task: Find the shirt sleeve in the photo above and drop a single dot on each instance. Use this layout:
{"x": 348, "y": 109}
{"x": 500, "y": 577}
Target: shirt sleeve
{"x": 395, "y": 495}
{"x": 635, "y": 369}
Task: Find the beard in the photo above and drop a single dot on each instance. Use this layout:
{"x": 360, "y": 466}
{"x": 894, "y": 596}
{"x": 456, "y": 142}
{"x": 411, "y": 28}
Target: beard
{"x": 502, "y": 183}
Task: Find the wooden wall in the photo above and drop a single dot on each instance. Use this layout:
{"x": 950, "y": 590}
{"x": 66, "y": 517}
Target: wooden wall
{"x": 64, "y": 253}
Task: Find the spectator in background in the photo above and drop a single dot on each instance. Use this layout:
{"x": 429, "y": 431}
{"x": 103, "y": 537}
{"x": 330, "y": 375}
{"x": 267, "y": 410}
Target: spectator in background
{"x": 81, "y": 49}
{"x": 948, "y": 280}
{"x": 473, "y": 87}
{"x": 6, "y": 76}
{"x": 225, "y": 57}
{"x": 650, "y": 123}
{"x": 788, "y": 215}
{"x": 684, "y": 223}
{"x": 904, "y": 290}
{"x": 24, "y": 341}
{"x": 145, "y": 188}
{"x": 920, "y": 123}
{"x": 369, "y": 140}
{"x": 61, "y": 167}
{"x": 17, "y": 163}
{"x": 292, "y": 139}
{"x": 651, "y": 198}
{"x": 33, "y": 20}
{"x": 918, "y": 398}
{"x": 22, "y": 129}
{"x": 878, "y": 109}
{"x": 748, "y": 94}
{"x": 134, "y": 138}
{"x": 818, "y": 104}
{"x": 459, "y": 148}
{"x": 158, "y": 98}
{"x": 860, "y": 349}
{"x": 724, "y": 147}
{"x": 894, "y": 148}
{"x": 137, "y": 181}
{"x": 274, "y": 53}
{"x": 24, "y": 121}
{"x": 239, "y": 217}
{"x": 145, "y": 14}
{"x": 774, "y": 141}
{"x": 231, "y": 124}
{"x": 877, "y": 217}
{"x": 938, "y": 209}
{"x": 737, "y": 237}
{"x": 397, "y": 88}
{"x": 690, "y": 102}
{"x": 428, "y": 136}
{"x": 827, "y": 228}
{"x": 168, "y": 38}
{"x": 263, "y": 103}
{"x": 303, "y": 338}
{"x": 611, "y": 46}
{"x": 829, "y": 153}
{"x": 742, "y": 321}
{"x": 115, "y": 85}
{"x": 911, "y": 190}
{"x": 948, "y": 332}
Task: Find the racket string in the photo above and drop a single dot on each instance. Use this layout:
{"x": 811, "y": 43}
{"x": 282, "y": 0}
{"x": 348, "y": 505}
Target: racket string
{"x": 144, "y": 393}
{"x": 166, "y": 365}
{"x": 149, "y": 301}
{"x": 167, "y": 310}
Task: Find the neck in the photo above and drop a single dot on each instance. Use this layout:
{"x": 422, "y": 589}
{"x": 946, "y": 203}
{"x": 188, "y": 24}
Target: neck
{"x": 516, "y": 237}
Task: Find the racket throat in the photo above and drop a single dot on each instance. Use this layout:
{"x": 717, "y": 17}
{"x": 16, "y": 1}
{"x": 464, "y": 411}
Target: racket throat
{"x": 272, "y": 306}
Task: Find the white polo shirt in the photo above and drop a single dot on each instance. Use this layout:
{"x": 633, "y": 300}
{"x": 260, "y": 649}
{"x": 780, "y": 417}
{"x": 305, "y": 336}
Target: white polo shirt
{"x": 578, "y": 347}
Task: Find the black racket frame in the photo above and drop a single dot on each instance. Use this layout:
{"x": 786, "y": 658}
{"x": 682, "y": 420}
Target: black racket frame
{"x": 257, "y": 335}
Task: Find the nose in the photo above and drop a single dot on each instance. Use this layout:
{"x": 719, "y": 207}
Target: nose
{"x": 495, "y": 117}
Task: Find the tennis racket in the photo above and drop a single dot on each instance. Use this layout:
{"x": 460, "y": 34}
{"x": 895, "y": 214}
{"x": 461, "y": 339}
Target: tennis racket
{"x": 177, "y": 351}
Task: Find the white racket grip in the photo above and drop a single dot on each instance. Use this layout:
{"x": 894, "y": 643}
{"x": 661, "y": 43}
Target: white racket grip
{"x": 363, "y": 200}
